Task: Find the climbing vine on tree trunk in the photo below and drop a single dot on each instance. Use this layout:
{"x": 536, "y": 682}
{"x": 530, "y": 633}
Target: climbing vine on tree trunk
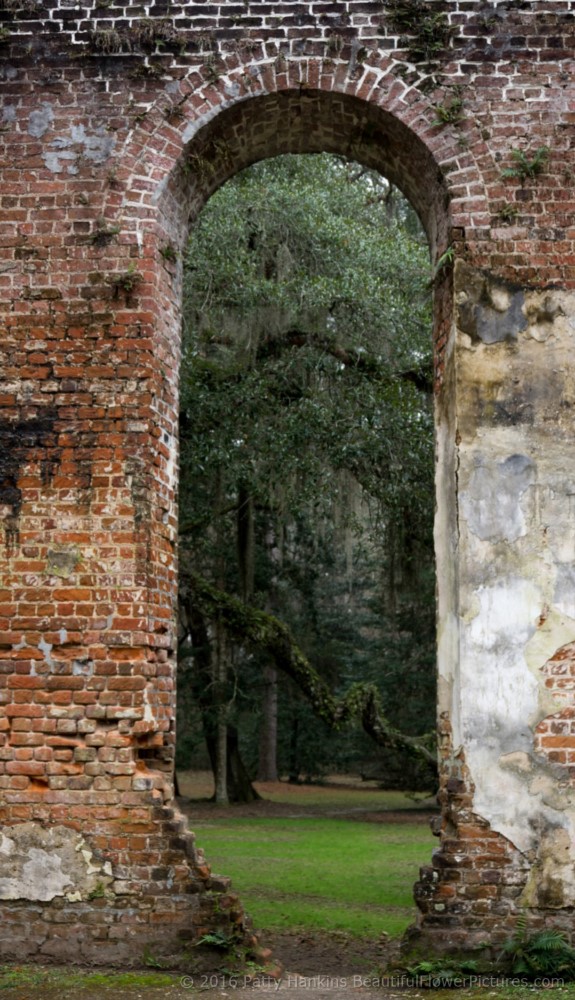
{"x": 262, "y": 631}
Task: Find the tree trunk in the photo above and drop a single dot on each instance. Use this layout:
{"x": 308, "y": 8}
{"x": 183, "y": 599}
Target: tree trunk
{"x": 220, "y": 683}
{"x": 239, "y": 787}
{"x": 267, "y": 751}
{"x": 293, "y": 752}
{"x": 238, "y": 784}
{"x": 267, "y": 764}
{"x": 246, "y": 542}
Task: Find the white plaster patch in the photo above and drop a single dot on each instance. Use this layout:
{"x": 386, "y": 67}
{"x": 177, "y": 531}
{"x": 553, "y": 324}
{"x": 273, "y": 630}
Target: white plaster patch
{"x": 96, "y": 146}
{"x": 83, "y": 668}
{"x": 499, "y": 695}
{"x": 6, "y": 845}
{"x": 46, "y": 649}
{"x": 517, "y": 761}
{"x": 40, "y": 864}
{"x": 564, "y": 596}
{"x": 554, "y": 632}
{"x": 148, "y": 711}
{"x": 42, "y": 876}
{"x": 507, "y": 615}
{"x": 491, "y": 504}
{"x": 40, "y": 120}
{"x": 500, "y": 298}
{"x": 545, "y": 316}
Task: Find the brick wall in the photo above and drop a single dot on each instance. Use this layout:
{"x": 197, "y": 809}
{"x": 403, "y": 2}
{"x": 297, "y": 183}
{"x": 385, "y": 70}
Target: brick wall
{"x": 117, "y": 122}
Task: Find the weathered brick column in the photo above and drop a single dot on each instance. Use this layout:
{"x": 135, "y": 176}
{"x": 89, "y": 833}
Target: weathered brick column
{"x": 115, "y": 128}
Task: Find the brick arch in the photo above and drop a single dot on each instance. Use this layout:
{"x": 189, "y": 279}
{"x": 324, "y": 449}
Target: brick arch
{"x": 181, "y": 176}
{"x": 310, "y": 121}
{"x": 178, "y": 177}
{"x": 189, "y": 146}
{"x": 402, "y": 144}
{"x": 375, "y": 118}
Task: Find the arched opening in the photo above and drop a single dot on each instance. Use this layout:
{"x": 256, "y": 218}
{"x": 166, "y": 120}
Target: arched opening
{"x": 313, "y": 121}
{"x": 306, "y": 502}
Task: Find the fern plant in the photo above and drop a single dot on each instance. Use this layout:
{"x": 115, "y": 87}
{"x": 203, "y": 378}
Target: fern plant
{"x": 545, "y": 953}
{"x": 217, "y": 939}
{"x": 443, "y": 972}
{"x": 449, "y": 114}
{"x": 525, "y": 168}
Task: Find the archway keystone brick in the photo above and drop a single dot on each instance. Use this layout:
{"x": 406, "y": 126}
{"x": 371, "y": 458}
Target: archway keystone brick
{"x": 115, "y": 129}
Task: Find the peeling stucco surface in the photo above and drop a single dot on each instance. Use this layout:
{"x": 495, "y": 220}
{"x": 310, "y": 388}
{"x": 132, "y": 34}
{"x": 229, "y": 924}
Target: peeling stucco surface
{"x": 67, "y": 151}
{"x": 488, "y": 309}
{"x": 492, "y": 505}
{"x": 40, "y": 864}
{"x": 516, "y": 587}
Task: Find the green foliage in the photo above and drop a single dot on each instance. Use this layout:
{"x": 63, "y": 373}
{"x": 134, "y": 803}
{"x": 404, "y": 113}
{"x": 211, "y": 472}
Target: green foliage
{"x": 427, "y": 28}
{"x": 442, "y": 972}
{"x": 361, "y": 701}
{"x": 305, "y": 377}
{"x": 151, "y": 960}
{"x": 216, "y": 939}
{"x": 108, "y": 41}
{"x": 444, "y": 263}
{"x": 103, "y": 234}
{"x": 507, "y": 213}
{"x": 98, "y": 892}
{"x": 316, "y": 275}
{"x": 169, "y": 252}
{"x": 147, "y": 34}
{"x": 22, "y": 8}
{"x": 544, "y": 953}
{"x": 524, "y": 168}
{"x": 150, "y": 32}
{"x": 53, "y": 980}
{"x": 449, "y": 114}
{"x": 126, "y": 281}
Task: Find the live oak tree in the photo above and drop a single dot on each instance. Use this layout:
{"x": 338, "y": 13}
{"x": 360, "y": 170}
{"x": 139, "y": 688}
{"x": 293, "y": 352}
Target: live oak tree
{"x": 307, "y": 460}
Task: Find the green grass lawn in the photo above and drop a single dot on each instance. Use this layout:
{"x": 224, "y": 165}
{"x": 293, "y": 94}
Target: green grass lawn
{"x": 321, "y": 873}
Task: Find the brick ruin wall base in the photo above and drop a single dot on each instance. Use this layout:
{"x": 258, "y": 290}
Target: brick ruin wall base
{"x": 115, "y": 128}
{"x": 104, "y": 871}
{"x": 153, "y": 896}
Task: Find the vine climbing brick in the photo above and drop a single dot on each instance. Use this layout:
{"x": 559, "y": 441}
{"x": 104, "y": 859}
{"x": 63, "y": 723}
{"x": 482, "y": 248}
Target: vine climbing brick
{"x": 117, "y": 122}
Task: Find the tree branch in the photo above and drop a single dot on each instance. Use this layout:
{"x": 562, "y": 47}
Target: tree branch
{"x": 262, "y": 631}
{"x": 367, "y": 364}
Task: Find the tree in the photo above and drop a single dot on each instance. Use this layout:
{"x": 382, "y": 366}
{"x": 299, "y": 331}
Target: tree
{"x": 305, "y": 413}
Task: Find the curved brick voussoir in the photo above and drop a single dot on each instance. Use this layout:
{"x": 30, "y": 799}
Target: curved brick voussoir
{"x": 115, "y": 128}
